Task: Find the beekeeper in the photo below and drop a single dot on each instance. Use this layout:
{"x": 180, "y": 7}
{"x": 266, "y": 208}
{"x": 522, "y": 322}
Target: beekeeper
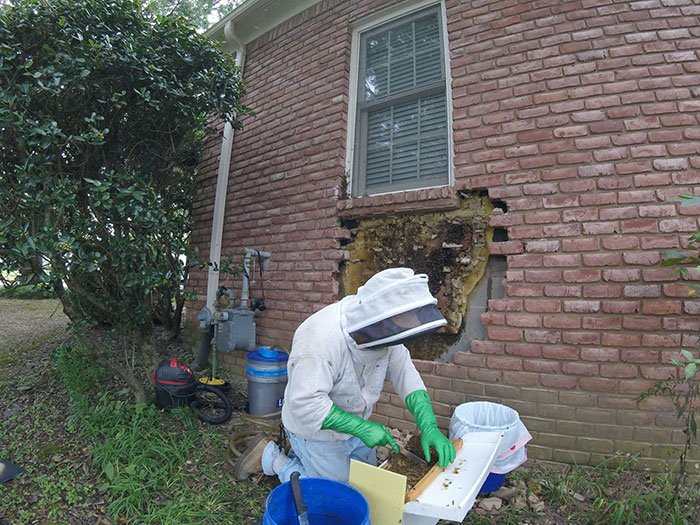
{"x": 339, "y": 359}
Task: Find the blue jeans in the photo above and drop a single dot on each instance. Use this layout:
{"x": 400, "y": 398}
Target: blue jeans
{"x": 325, "y": 459}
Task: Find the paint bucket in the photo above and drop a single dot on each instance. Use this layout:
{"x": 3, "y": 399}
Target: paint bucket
{"x": 266, "y": 369}
{"x": 329, "y": 502}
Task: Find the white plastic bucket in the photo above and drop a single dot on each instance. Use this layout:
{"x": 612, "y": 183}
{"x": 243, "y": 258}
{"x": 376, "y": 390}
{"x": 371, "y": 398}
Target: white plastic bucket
{"x": 483, "y": 416}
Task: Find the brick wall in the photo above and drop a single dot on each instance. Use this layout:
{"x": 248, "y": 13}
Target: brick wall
{"x": 582, "y": 117}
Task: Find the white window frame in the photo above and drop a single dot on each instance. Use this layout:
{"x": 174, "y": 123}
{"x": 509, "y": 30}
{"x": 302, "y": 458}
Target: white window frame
{"x": 372, "y": 22}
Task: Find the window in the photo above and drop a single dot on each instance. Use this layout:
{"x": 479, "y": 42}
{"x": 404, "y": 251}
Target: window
{"x": 401, "y": 133}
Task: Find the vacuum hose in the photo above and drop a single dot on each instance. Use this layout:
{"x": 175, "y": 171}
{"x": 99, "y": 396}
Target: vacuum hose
{"x": 202, "y": 359}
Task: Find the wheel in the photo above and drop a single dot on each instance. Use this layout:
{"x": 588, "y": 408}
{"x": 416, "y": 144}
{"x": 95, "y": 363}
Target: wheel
{"x": 211, "y": 405}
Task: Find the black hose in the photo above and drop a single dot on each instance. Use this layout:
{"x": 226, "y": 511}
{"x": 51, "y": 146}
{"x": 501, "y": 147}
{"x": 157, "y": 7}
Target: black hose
{"x": 200, "y": 406}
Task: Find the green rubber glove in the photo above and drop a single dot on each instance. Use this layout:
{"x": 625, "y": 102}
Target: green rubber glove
{"x": 418, "y": 403}
{"x": 371, "y": 433}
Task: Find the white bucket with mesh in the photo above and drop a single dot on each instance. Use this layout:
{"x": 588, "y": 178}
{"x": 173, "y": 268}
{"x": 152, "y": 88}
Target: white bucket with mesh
{"x": 483, "y": 416}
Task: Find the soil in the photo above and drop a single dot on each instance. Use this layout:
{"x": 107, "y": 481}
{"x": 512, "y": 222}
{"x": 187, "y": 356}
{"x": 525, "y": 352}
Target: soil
{"x": 413, "y": 471}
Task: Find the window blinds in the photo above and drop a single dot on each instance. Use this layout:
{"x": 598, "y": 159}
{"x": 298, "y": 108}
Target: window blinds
{"x": 406, "y": 119}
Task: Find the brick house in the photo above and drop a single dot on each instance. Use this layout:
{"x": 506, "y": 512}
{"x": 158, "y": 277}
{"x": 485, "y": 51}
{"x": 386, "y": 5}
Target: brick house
{"x": 526, "y": 155}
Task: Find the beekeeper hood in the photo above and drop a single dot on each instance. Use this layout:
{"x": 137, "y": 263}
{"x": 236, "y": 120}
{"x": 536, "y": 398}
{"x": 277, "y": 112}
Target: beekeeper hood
{"x": 392, "y": 307}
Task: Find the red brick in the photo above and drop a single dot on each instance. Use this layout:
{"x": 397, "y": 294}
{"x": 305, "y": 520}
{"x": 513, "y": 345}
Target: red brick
{"x": 523, "y": 349}
{"x": 487, "y": 347}
{"x": 480, "y": 374}
{"x": 601, "y": 259}
{"x": 602, "y": 323}
{"x": 542, "y": 305}
{"x": 594, "y": 384}
{"x": 600, "y": 354}
{"x": 619, "y": 371}
{"x": 602, "y": 290}
{"x": 562, "y": 291}
{"x": 580, "y": 215}
{"x": 560, "y": 352}
{"x": 542, "y": 336}
{"x": 661, "y": 307}
{"x": 565, "y": 322}
{"x": 558, "y": 381}
{"x": 550, "y": 261}
{"x": 580, "y": 338}
{"x": 580, "y": 369}
{"x": 581, "y": 276}
{"x": 621, "y": 339}
{"x": 537, "y": 365}
{"x": 522, "y": 290}
{"x": 543, "y": 276}
{"x": 639, "y": 356}
{"x": 641, "y": 323}
{"x": 582, "y": 245}
{"x": 520, "y": 378}
{"x": 505, "y": 305}
{"x": 503, "y": 362}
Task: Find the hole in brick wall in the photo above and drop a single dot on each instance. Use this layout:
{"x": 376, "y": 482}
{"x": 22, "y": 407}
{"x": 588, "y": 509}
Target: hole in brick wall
{"x": 350, "y": 224}
{"x": 451, "y": 246}
{"x": 490, "y": 286}
{"x": 500, "y": 205}
{"x": 500, "y": 235}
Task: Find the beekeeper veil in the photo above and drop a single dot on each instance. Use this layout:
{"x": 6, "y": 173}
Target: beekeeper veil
{"x": 392, "y": 307}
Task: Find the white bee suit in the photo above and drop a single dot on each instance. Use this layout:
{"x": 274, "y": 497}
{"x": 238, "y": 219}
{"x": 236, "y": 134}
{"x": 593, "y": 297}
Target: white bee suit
{"x": 327, "y": 366}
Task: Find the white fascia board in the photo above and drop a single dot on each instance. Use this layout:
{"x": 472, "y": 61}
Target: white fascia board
{"x": 254, "y": 18}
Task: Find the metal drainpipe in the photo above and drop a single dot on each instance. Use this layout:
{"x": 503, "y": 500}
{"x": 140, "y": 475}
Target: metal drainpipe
{"x": 222, "y": 182}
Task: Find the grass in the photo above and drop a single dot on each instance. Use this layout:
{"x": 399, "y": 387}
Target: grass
{"x": 614, "y": 495}
{"x": 93, "y": 456}
{"x": 154, "y": 467}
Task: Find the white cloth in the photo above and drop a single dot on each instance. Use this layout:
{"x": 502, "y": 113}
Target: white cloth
{"x": 326, "y": 367}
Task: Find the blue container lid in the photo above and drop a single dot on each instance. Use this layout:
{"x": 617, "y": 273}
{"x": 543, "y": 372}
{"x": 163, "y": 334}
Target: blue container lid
{"x": 266, "y": 354}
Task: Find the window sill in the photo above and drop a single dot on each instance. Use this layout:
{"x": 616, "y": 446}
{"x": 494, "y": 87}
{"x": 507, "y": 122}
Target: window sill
{"x": 424, "y": 199}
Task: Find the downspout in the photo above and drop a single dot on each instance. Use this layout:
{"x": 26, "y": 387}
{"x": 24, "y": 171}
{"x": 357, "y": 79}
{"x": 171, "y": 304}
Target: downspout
{"x": 217, "y": 227}
{"x": 222, "y": 181}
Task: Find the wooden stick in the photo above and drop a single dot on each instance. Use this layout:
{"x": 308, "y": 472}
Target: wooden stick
{"x": 426, "y": 480}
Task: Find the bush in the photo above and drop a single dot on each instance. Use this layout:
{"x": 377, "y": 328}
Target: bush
{"x": 103, "y": 111}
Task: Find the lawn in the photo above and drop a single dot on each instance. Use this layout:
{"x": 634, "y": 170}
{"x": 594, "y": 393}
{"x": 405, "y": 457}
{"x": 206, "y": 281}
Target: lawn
{"x": 94, "y": 456}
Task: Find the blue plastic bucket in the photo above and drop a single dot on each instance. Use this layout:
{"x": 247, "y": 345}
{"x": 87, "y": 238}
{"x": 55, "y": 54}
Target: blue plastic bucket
{"x": 492, "y": 483}
{"x": 329, "y": 502}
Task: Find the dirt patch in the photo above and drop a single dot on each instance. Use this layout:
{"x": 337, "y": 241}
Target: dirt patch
{"x": 27, "y": 323}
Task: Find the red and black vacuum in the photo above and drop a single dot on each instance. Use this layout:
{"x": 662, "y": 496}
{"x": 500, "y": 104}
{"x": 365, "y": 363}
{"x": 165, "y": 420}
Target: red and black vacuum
{"x": 176, "y": 386}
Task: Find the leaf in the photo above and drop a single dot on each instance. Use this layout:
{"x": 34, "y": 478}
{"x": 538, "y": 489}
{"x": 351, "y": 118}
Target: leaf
{"x": 687, "y": 355}
{"x": 690, "y": 370}
{"x": 693, "y": 426}
{"x": 690, "y": 200}
{"x": 109, "y": 471}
